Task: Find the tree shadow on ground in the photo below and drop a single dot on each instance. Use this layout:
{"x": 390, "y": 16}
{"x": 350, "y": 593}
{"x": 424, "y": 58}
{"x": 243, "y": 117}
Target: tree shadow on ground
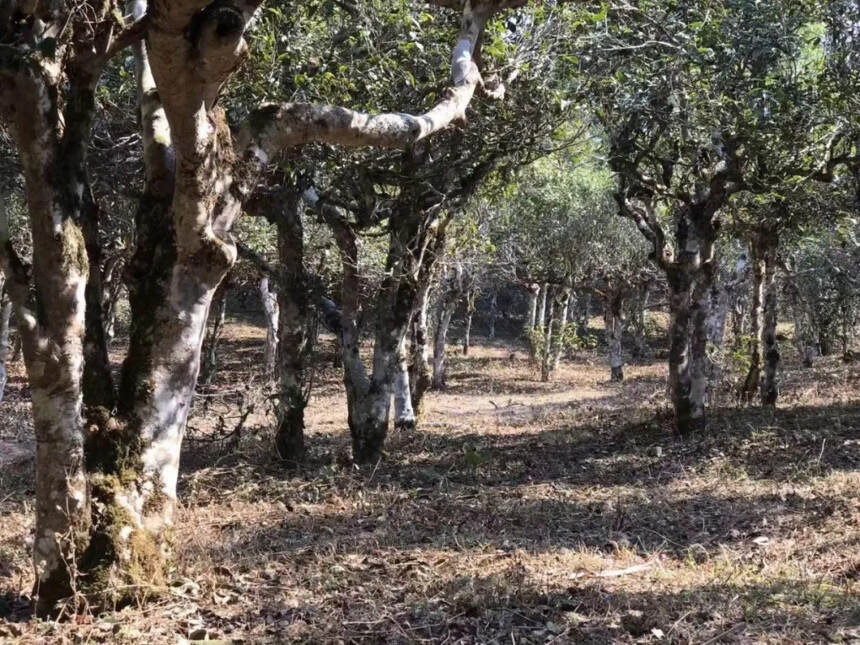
{"x": 601, "y": 490}
{"x": 511, "y": 608}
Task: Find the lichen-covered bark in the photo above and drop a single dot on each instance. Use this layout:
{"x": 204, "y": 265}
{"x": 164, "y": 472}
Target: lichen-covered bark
{"x": 292, "y": 331}
{"x": 404, "y": 415}
{"x": 49, "y": 301}
{"x": 690, "y": 278}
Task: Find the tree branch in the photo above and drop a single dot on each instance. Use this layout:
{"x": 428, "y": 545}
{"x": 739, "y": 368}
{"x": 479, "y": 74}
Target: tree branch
{"x": 275, "y": 128}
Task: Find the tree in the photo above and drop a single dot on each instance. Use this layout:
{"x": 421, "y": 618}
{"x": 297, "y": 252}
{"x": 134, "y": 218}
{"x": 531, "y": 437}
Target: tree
{"x": 700, "y": 103}
{"x": 198, "y": 174}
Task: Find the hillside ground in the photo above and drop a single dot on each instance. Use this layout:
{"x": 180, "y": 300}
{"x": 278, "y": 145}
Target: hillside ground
{"x": 518, "y": 512}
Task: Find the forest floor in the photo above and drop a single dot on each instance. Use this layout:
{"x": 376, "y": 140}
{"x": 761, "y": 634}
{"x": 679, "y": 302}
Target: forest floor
{"x": 518, "y": 512}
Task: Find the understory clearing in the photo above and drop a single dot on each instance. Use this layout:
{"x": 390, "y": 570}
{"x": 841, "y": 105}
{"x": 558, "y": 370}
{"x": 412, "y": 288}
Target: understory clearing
{"x": 518, "y": 512}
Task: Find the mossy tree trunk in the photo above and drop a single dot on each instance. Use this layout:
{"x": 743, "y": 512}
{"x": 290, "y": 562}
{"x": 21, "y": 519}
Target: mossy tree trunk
{"x": 50, "y": 118}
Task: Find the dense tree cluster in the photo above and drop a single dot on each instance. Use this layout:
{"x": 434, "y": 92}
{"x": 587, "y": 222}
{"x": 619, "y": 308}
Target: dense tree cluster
{"x": 358, "y": 174}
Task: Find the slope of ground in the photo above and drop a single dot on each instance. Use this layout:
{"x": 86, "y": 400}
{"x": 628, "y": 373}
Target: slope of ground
{"x": 519, "y": 512}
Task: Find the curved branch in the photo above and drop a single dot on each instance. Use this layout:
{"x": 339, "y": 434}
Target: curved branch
{"x": 275, "y": 128}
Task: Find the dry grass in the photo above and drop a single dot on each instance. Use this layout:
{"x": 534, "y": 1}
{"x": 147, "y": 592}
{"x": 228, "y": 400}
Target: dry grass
{"x": 502, "y": 520}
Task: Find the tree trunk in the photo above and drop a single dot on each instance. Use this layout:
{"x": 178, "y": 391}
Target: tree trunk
{"x": 293, "y": 338}
{"x": 471, "y": 295}
{"x": 750, "y": 386}
{"x": 690, "y": 278}
{"x": 534, "y": 292}
{"x": 544, "y": 292}
{"x": 215, "y": 329}
{"x": 549, "y": 333}
{"x": 447, "y": 306}
{"x": 97, "y": 381}
{"x": 639, "y": 326}
{"x": 583, "y": 314}
{"x": 421, "y": 376}
{"x": 804, "y": 338}
{"x": 53, "y": 324}
{"x": 558, "y": 344}
{"x": 440, "y": 342}
{"x": 404, "y": 415}
{"x": 269, "y": 298}
{"x": 613, "y": 318}
{"x": 689, "y": 413}
{"x": 491, "y": 333}
{"x": 5, "y": 328}
{"x": 769, "y": 383}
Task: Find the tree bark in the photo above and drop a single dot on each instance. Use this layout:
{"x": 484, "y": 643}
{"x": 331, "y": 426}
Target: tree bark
{"x": 447, "y": 305}
{"x": 404, "y": 415}
{"x": 613, "y": 318}
{"x": 471, "y": 295}
{"x": 52, "y": 325}
{"x": 639, "y": 328}
{"x": 583, "y": 314}
{"x": 5, "y": 347}
{"x": 769, "y": 386}
{"x": 750, "y": 386}
{"x": 690, "y": 277}
{"x": 269, "y": 298}
{"x": 97, "y": 380}
{"x": 542, "y": 301}
{"x": 293, "y": 341}
{"x": 491, "y": 332}
{"x": 558, "y": 345}
{"x": 421, "y": 376}
{"x": 212, "y": 337}
{"x": 534, "y": 292}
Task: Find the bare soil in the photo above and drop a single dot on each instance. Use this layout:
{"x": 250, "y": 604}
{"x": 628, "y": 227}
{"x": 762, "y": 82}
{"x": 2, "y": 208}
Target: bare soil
{"x": 518, "y": 512}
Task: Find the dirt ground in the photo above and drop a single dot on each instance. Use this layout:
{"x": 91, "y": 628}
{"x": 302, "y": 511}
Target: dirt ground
{"x": 518, "y": 512}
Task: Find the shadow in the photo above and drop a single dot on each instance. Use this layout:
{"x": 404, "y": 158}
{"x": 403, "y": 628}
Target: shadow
{"x": 14, "y": 607}
{"x": 602, "y": 490}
